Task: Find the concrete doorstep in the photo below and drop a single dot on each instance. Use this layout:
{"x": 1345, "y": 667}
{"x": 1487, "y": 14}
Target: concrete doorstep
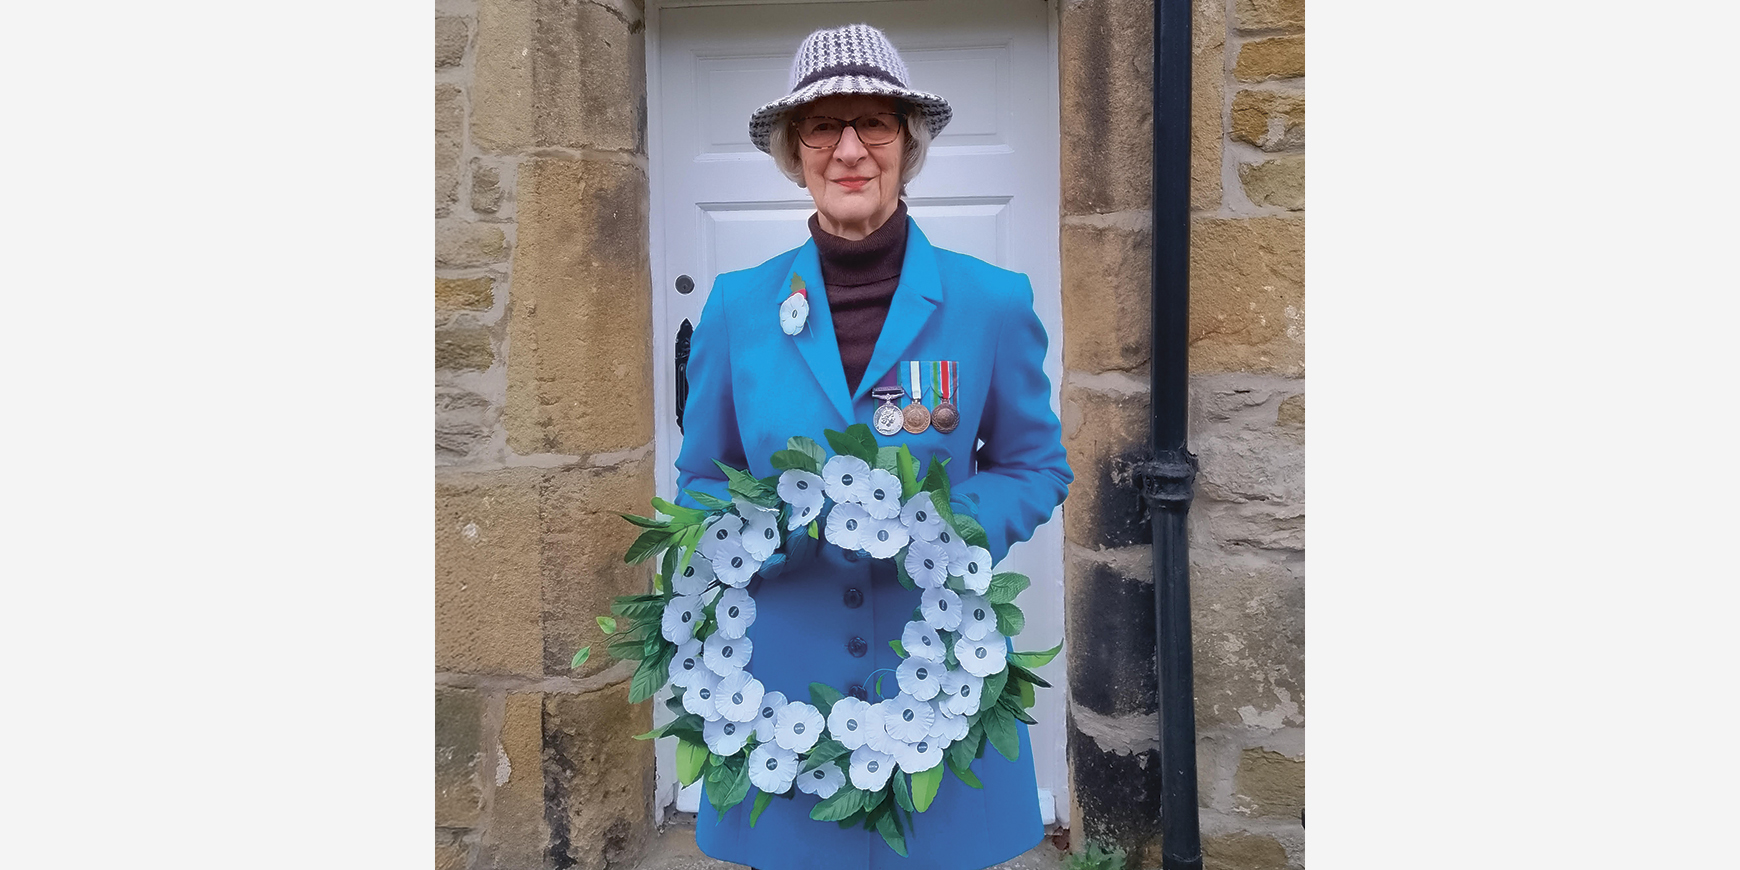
{"x": 674, "y": 849}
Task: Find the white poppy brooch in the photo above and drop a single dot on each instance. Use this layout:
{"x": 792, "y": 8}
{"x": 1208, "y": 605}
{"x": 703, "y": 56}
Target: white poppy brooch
{"x": 794, "y": 312}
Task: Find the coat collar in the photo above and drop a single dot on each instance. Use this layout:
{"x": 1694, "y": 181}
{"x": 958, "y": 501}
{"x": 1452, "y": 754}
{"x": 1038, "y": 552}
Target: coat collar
{"x": 915, "y": 299}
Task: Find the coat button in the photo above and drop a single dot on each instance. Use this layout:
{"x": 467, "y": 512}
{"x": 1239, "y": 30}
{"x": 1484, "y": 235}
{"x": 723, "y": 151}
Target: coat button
{"x": 851, "y": 555}
{"x": 854, "y": 598}
{"x": 857, "y": 647}
{"x": 856, "y": 690}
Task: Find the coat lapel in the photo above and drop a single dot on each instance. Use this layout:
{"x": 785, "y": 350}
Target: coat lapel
{"x": 820, "y": 349}
{"x": 915, "y": 299}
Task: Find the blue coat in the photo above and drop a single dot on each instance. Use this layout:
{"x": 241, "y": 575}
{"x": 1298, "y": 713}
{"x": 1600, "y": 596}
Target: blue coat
{"x": 751, "y": 387}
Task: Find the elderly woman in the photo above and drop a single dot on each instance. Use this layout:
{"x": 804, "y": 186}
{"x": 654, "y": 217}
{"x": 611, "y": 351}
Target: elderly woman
{"x": 868, "y": 323}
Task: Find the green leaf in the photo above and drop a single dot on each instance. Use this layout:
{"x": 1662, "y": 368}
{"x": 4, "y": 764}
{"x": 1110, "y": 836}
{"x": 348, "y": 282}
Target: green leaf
{"x": 844, "y": 803}
{"x": 1014, "y": 707}
{"x": 906, "y": 468}
{"x": 1026, "y": 691}
{"x": 889, "y": 827}
{"x": 646, "y": 522}
{"x": 825, "y": 751}
{"x": 960, "y": 754}
{"x": 708, "y": 500}
{"x": 797, "y": 459}
{"x": 1000, "y": 731}
{"x": 650, "y": 676}
{"x": 1036, "y": 659}
{"x": 852, "y": 820}
{"x": 679, "y": 515}
{"x": 900, "y": 571}
{"x": 902, "y": 792}
{"x": 992, "y": 688}
{"x": 936, "y": 482}
{"x": 686, "y": 543}
{"x": 607, "y": 624}
{"x": 656, "y": 732}
{"x": 815, "y": 530}
{"x": 636, "y": 608}
{"x": 970, "y": 530}
{"x": 898, "y": 649}
{"x": 580, "y": 657}
{"x": 762, "y": 799}
{"x": 967, "y": 776}
{"x": 627, "y": 649}
{"x": 1010, "y": 619}
{"x": 690, "y": 758}
{"x": 735, "y": 790}
{"x": 650, "y": 541}
{"x": 1005, "y": 586}
{"x": 924, "y": 786}
{"x": 823, "y": 697}
{"x": 1028, "y": 675}
{"x": 874, "y": 799}
{"x": 888, "y": 459}
{"x": 866, "y": 441}
{"x": 809, "y": 447}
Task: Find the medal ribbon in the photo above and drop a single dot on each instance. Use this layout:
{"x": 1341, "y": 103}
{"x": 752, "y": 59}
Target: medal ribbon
{"x": 945, "y": 382}
{"x": 917, "y": 388}
{"x": 888, "y": 388}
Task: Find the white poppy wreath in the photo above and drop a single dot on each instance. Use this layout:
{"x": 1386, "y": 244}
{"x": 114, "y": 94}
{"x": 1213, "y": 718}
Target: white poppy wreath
{"x": 958, "y": 686}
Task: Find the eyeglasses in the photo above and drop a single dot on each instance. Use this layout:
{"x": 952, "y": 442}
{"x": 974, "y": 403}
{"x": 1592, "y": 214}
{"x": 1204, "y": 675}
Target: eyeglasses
{"x": 818, "y": 131}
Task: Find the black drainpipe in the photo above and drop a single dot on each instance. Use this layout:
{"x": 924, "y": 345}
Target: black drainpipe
{"x": 1169, "y": 478}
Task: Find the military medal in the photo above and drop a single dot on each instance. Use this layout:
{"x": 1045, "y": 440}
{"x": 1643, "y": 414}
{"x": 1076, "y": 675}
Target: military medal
{"x": 945, "y": 418}
{"x": 917, "y": 417}
{"x": 888, "y": 418}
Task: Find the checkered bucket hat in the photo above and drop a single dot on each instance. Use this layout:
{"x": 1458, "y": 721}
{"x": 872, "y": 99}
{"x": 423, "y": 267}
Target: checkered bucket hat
{"x": 855, "y": 59}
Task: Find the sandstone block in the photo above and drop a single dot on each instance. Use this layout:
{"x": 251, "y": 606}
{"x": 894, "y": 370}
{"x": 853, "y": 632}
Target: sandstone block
{"x": 1106, "y": 298}
{"x": 558, "y": 73}
{"x": 451, "y": 35}
{"x": 1241, "y": 466}
{"x": 464, "y": 294}
{"x": 1247, "y": 295}
{"x": 1270, "y": 120}
{"x": 486, "y": 193}
{"x": 584, "y": 539}
{"x": 1248, "y": 642}
{"x": 1100, "y": 431}
{"x": 1269, "y": 14}
{"x": 449, "y": 143}
{"x": 458, "y": 757}
{"x": 463, "y": 243}
{"x": 580, "y": 310}
{"x": 1278, "y": 57}
{"x": 466, "y": 348}
{"x": 1117, "y": 797}
{"x": 1207, "y": 93}
{"x": 1292, "y": 411}
{"x": 1269, "y": 784}
{"x": 1110, "y": 626}
{"x": 453, "y": 848}
{"x": 1240, "y": 851}
{"x": 1279, "y": 182}
{"x": 518, "y": 835}
{"x": 464, "y": 422}
{"x": 599, "y": 779}
{"x": 487, "y": 573}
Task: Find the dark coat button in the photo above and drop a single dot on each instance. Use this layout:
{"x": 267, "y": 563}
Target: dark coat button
{"x": 854, "y": 598}
{"x": 857, "y": 647}
{"x": 856, "y": 690}
{"x": 851, "y": 555}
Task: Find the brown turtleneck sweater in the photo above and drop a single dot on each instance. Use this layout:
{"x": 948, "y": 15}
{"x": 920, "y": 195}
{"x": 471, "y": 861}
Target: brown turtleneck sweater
{"x": 860, "y": 277}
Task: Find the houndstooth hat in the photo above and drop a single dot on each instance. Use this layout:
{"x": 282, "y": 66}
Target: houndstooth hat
{"x": 855, "y": 59}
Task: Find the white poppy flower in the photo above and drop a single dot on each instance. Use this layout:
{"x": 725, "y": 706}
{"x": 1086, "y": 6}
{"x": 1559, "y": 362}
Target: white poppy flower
{"x": 725, "y": 737}
{"x": 883, "y": 498}
{"x": 921, "y": 642}
{"x": 734, "y": 565}
{"x": 822, "y": 782}
{"x": 870, "y": 769}
{"x": 941, "y": 608}
{"x": 693, "y": 580}
{"x": 919, "y": 756}
{"x": 739, "y": 698}
{"x": 949, "y": 728}
{"x": 735, "y": 612}
{"x": 794, "y": 312}
{"x": 760, "y": 535}
{"x": 884, "y": 538}
{"x": 850, "y": 720}
{"x": 982, "y": 657}
{"x": 771, "y": 702}
{"x": 699, "y": 699}
{"x": 803, "y": 491}
{"x": 975, "y": 569}
{"x": 721, "y": 531}
{"x": 727, "y": 655}
{"x": 798, "y": 726}
{"x": 952, "y": 546}
{"x": 687, "y": 665}
{"x": 907, "y": 718}
{"x": 846, "y": 479}
{"x": 919, "y": 678}
{"x": 921, "y": 519}
{"x": 847, "y": 524}
{"x": 926, "y": 564}
{"x": 977, "y": 617}
{"x": 772, "y": 768}
{"x": 879, "y": 739}
{"x": 682, "y": 614}
{"x": 962, "y": 691}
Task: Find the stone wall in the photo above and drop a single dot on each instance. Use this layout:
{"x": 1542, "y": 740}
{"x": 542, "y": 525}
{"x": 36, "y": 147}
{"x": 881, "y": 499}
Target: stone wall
{"x": 543, "y": 429}
{"x": 1246, "y": 425}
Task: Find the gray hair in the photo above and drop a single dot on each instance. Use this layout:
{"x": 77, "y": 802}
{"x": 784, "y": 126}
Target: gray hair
{"x": 784, "y": 146}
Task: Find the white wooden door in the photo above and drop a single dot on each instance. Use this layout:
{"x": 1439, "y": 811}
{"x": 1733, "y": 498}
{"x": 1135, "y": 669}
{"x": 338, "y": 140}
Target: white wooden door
{"x": 989, "y": 189}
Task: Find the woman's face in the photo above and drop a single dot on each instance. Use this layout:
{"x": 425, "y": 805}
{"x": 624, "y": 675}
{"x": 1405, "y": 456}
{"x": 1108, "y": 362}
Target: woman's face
{"x": 855, "y": 186}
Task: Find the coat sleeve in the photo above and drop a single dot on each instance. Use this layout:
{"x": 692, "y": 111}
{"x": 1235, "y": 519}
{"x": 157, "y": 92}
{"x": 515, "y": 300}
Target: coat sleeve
{"x": 1023, "y": 473}
{"x": 710, "y": 416}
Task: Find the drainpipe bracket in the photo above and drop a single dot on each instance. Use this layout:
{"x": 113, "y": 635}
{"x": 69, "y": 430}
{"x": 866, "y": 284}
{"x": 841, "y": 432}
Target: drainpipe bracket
{"x": 1167, "y": 482}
